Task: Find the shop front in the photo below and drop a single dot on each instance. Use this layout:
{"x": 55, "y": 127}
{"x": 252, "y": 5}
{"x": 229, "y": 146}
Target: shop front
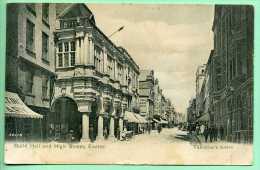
{"x": 21, "y": 123}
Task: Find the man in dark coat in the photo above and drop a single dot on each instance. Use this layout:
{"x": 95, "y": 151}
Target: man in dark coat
{"x": 221, "y": 132}
{"x": 206, "y": 133}
{"x": 211, "y": 134}
{"x": 215, "y": 131}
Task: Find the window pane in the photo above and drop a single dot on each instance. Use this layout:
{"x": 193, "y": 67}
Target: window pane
{"x": 30, "y": 35}
{"x": 45, "y": 45}
{"x": 44, "y": 86}
{"x": 60, "y": 60}
{"x": 72, "y": 59}
{"x": 66, "y": 46}
{"x": 60, "y": 47}
{"x": 72, "y": 46}
{"x": 66, "y": 59}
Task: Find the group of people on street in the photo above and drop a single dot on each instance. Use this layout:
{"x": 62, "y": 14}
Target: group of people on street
{"x": 210, "y": 133}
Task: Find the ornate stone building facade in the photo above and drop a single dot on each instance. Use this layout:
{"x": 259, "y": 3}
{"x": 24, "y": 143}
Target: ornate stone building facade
{"x": 232, "y": 72}
{"x": 96, "y": 80}
{"x": 146, "y": 90}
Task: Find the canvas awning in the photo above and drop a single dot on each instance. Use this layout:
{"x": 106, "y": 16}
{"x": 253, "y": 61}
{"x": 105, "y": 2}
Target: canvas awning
{"x": 130, "y": 117}
{"x": 155, "y": 120}
{"x": 14, "y": 107}
{"x": 164, "y": 121}
{"x": 141, "y": 118}
{"x": 203, "y": 118}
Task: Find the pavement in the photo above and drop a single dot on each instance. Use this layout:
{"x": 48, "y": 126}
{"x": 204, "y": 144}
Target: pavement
{"x": 171, "y": 146}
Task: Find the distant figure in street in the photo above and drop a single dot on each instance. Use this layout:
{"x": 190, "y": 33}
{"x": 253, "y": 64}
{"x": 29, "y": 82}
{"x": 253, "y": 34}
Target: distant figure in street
{"x": 202, "y": 128}
{"x": 221, "y": 130}
{"x": 206, "y": 133}
{"x": 159, "y": 128}
{"x": 91, "y": 132}
{"x": 118, "y": 133}
{"x": 215, "y": 132}
{"x": 211, "y": 133}
{"x": 197, "y": 129}
{"x": 105, "y": 133}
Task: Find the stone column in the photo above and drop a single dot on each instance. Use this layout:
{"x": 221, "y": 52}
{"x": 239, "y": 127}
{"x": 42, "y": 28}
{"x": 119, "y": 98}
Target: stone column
{"x": 100, "y": 128}
{"x": 105, "y": 59}
{"x": 91, "y": 50}
{"x": 86, "y": 50}
{"x": 116, "y": 76}
{"x": 85, "y": 127}
{"x": 82, "y": 51}
{"x": 111, "y": 132}
{"x": 85, "y": 108}
{"x": 77, "y": 60}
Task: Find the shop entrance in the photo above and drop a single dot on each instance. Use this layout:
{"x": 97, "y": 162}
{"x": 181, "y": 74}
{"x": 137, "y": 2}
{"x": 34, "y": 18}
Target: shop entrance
{"x": 65, "y": 122}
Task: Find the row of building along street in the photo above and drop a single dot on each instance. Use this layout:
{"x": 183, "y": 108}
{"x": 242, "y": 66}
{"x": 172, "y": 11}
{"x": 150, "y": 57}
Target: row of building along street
{"x": 66, "y": 80}
{"x": 223, "y": 104}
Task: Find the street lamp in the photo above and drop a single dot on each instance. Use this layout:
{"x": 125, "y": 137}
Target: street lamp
{"x": 118, "y": 30}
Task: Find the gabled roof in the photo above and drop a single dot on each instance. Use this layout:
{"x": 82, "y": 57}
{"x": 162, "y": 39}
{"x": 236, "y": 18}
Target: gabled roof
{"x": 74, "y": 10}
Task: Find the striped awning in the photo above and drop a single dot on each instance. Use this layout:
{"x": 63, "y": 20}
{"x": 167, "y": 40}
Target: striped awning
{"x": 164, "y": 122}
{"x": 14, "y": 107}
{"x": 203, "y": 118}
{"x": 157, "y": 121}
{"x": 141, "y": 118}
{"x": 130, "y": 117}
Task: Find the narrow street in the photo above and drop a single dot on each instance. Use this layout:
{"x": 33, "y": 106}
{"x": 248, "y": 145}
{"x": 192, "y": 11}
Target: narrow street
{"x": 169, "y": 147}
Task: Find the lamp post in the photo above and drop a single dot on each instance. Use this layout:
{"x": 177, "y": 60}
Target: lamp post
{"x": 118, "y": 30}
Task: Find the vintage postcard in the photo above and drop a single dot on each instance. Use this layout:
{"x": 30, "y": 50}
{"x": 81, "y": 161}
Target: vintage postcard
{"x": 147, "y": 84}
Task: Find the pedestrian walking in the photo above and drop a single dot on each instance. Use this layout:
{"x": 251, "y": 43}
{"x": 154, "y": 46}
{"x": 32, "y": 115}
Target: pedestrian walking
{"x": 206, "y": 133}
{"x": 215, "y": 133}
{"x": 159, "y": 128}
{"x": 197, "y": 129}
{"x": 211, "y": 134}
{"x": 202, "y": 128}
{"x": 91, "y": 132}
{"x": 221, "y": 132}
{"x": 105, "y": 133}
{"x": 118, "y": 133}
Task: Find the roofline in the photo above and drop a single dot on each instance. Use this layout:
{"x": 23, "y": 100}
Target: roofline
{"x": 72, "y": 5}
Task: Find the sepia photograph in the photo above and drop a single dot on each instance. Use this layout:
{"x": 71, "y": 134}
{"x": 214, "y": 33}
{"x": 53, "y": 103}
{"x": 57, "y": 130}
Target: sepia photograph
{"x": 138, "y": 84}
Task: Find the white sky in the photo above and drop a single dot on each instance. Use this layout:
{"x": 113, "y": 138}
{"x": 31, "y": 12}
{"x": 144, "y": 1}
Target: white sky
{"x": 170, "y": 39}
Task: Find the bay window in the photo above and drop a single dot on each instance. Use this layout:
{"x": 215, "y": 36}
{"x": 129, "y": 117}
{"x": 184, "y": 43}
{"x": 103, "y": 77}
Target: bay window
{"x": 66, "y": 54}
